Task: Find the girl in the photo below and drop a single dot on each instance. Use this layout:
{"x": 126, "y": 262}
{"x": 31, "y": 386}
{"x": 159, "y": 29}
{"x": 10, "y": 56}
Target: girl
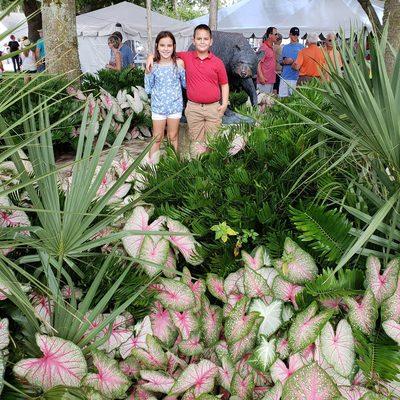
{"x": 28, "y": 60}
{"x": 115, "y": 60}
{"x": 164, "y": 84}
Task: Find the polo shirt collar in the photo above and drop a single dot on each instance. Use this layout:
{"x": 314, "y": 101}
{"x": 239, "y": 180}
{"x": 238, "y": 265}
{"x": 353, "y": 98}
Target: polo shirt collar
{"x": 210, "y": 55}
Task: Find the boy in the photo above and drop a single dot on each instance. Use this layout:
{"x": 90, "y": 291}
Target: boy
{"x": 207, "y": 87}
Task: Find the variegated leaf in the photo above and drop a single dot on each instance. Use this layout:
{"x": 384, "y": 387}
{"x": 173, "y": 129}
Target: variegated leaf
{"x": 191, "y": 346}
{"x": 271, "y": 313}
{"x": 225, "y": 373}
{"x": 392, "y": 329}
{"x": 138, "y": 339}
{"x": 4, "y": 334}
{"x": 215, "y": 285}
{"x": 186, "y": 322}
{"x": 175, "y": 295}
{"x": 275, "y": 393}
{"x": 254, "y": 284}
{"x": 352, "y": 392}
{"x": 306, "y": 327}
{"x": 280, "y": 372}
{"x": 162, "y": 326}
{"x": 310, "y": 382}
{"x": 155, "y": 251}
{"x": 158, "y": 382}
{"x": 391, "y": 306}
{"x": 242, "y": 387}
{"x": 117, "y": 335}
{"x": 257, "y": 261}
{"x": 285, "y": 290}
{"x": 211, "y": 324}
{"x": 130, "y": 367}
{"x": 154, "y": 357}
{"x": 264, "y": 355}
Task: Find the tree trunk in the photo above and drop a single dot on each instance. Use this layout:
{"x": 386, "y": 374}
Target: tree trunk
{"x": 34, "y": 23}
{"x": 213, "y": 15}
{"x": 174, "y": 6}
{"x": 391, "y": 15}
{"x": 59, "y": 33}
{"x": 149, "y": 34}
{"x": 371, "y": 13}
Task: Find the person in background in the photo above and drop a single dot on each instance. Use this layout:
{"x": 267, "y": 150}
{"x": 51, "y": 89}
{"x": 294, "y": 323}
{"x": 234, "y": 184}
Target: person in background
{"x": 266, "y": 74}
{"x": 278, "y": 67}
{"x": 1, "y": 65}
{"x": 13, "y": 45}
{"x": 28, "y": 58}
{"x": 333, "y": 53}
{"x": 126, "y": 52}
{"x": 310, "y": 62}
{"x": 289, "y": 54}
{"x": 115, "y": 59}
{"x": 40, "y": 53}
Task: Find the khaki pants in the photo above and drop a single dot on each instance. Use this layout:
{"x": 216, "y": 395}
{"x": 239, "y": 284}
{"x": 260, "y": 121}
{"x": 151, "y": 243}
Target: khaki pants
{"x": 203, "y": 120}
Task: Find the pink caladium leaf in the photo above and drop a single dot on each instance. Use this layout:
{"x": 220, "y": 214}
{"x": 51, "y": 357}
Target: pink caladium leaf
{"x": 238, "y": 324}
{"x": 392, "y": 329}
{"x": 242, "y": 387}
{"x": 175, "y": 295}
{"x": 275, "y": 393}
{"x": 225, "y": 373}
{"x": 4, "y": 334}
{"x": 382, "y": 285}
{"x": 296, "y": 265}
{"x": 118, "y": 334}
{"x": 215, "y": 285}
{"x": 170, "y": 265}
{"x": 174, "y": 363}
{"x": 130, "y": 367}
{"x": 158, "y": 382}
{"x": 62, "y": 364}
{"x": 391, "y": 306}
{"x": 185, "y": 244}
{"x": 352, "y": 392}
{"x": 254, "y": 284}
{"x": 186, "y": 322}
{"x": 238, "y": 144}
{"x": 139, "y": 221}
{"x": 307, "y": 326}
{"x": 234, "y": 283}
{"x": 154, "y": 358}
{"x": 137, "y": 339}
{"x": 363, "y": 314}
{"x": 109, "y": 379}
{"x": 211, "y": 324}
{"x": 162, "y": 325}
{"x": 310, "y": 382}
{"x": 282, "y": 347}
{"x": 280, "y": 372}
{"x": 272, "y": 314}
{"x": 286, "y": 291}
{"x": 155, "y": 251}
{"x": 199, "y": 376}
{"x": 257, "y": 261}
{"x": 191, "y": 346}
{"x": 338, "y": 347}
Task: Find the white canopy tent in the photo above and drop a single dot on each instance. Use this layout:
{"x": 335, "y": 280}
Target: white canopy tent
{"x": 254, "y": 16}
{"x": 94, "y": 27}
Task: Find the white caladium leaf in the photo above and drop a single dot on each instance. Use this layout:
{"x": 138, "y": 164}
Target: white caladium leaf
{"x": 155, "y": 251}
{"x": 391, "y": 306}
{"x": 310, "y": 382}
{"x": 138, "y": 339}
{"x": 285, "y": 290}
{"x": 363, "y": 315}
{"x": 306, "y": 327}
{"x": 352, "y": 392}
{"x": 275, "y": 393}
{"x": 62, "y": 364}
{"x": 119, "y": 334}
{"x": 215, "y": 285}
{"x": 271, "y": 313}
{"x": 139, "y": 221}
{"x": 4, "y": 334}
{"x": 162, "y": 325}
{"x": 234, "y": 282}
{"x": 280, "y": 372}
{"x": 238, "y": 324}
{"x": 43, "y": 307}
{"x": 392, "y": 329}
{"x": 154, "y": 357}
{"x": 282, "y": 347}
{"x": 264, "y": 355}
{"x": 158, "y": 382}
{"x": 170, "y": 265}
{"x": 199, "y": 376}
{"x": 296, "y": 265}
{"x": 338, "y": 348}
{"x": 191, "y": 346}
{"x": 175, "y": 295}
{"x": 186, "y": 322}
{"x": 211, "y": 324}
{"x": 257, "y": 261}
{"x": 242, "y": 387}
{"x": 254, "y": 284}
{"x": 109, "y": 379}
{"x": 185, "y": 244}
{"x": 269, "y": 274}
{"x": 382, "y": 285}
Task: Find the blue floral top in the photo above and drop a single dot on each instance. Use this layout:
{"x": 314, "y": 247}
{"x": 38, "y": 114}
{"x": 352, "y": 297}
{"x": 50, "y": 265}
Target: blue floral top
{"x": 164, "y": 83}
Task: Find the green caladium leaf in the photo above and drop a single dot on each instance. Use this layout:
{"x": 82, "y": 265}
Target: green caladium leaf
{"x": 264, "y": 355}
{"x": 275, "y": 393}
{"x": 306, "y": 327}
{"x": 310, "y": 382}
{"x": 296, "y": 265}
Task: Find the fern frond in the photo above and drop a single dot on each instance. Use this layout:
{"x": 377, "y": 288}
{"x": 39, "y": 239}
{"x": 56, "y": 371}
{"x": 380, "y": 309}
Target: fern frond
{"x": 326, "y": 230}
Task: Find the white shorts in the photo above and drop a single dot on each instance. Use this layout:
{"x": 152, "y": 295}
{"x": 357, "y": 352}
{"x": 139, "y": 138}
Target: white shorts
{"x": 266, "y": 87}
{"x": 286, "y": 87}
{"x": 160, "y": 117}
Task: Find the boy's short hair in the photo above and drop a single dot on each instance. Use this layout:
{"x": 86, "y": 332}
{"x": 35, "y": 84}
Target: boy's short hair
{"x": 202, "y": 27}
{"x": 118, "y": 34}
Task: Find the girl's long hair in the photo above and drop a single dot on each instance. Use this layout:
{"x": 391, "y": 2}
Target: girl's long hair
{"x": 162, "y": 35}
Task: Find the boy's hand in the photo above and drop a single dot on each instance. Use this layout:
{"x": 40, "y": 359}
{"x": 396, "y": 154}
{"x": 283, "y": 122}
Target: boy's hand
{"x": 149, "y": 62}
{"x": 221, "y": 109}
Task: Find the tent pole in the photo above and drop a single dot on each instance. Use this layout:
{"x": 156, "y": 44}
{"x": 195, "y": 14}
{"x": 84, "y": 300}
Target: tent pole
{"x": 148, "y": 18}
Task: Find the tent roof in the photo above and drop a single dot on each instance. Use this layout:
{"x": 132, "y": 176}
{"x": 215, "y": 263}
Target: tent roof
{"x": 132, "y": 18}
{"x": 254, "y": 16}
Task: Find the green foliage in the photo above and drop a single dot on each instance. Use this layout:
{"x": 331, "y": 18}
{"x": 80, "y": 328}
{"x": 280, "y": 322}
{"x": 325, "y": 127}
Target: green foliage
{"x": 327, "y": 231}
{"x": 236, "y": 99}
{"x": 113, "y": 81}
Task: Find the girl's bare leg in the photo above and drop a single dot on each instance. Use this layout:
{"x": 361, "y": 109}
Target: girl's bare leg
{"x": 173, "y": 132}
{"x": 158, "y": 135}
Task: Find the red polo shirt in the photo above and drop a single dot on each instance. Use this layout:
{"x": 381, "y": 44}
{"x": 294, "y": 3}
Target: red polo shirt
{"x": 203, "y": 77}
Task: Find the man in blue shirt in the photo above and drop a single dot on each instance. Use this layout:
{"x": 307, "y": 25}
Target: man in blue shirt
{"x": 40, "y": 52}
{"x": 289, "y": 54}
{"x": 126, "y": 52}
